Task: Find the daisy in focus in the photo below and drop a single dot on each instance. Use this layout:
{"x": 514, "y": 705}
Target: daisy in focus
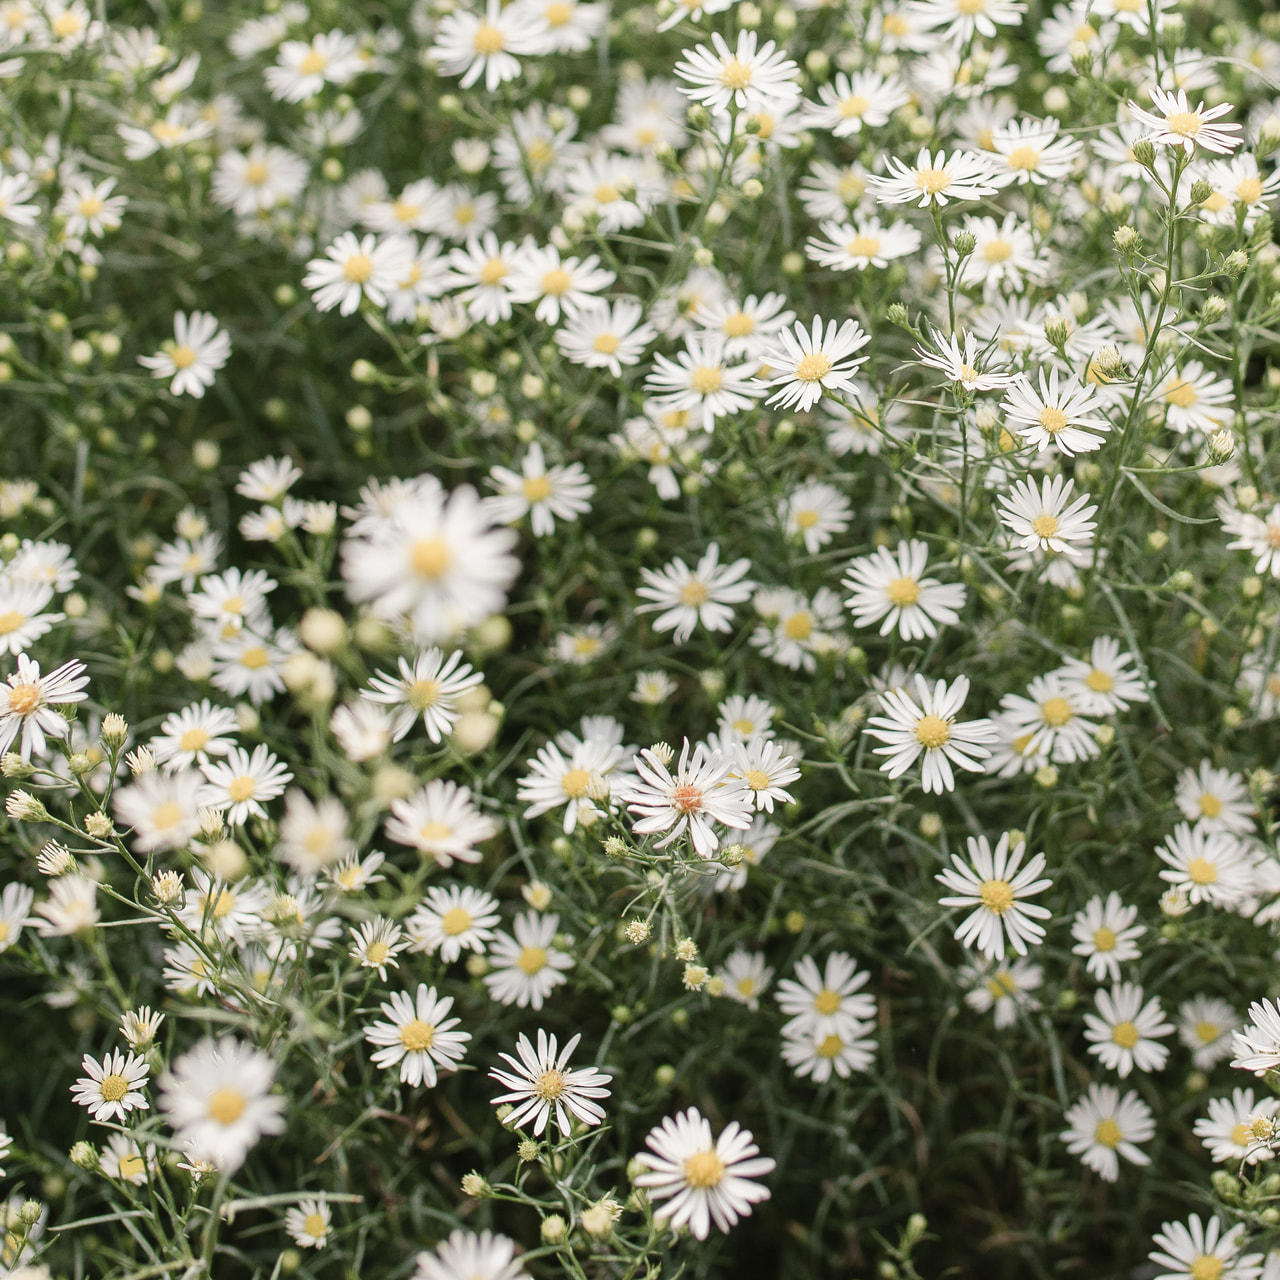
{"x": 1125, "y": 1032}
{"x": 309, "y": 1223}
{"x": 545, "y": 1089}
{"x": 418, "y": 1036}
{"x": 1175, "y": 123}
{"x": 891, "y": 585}
{"x": 198, "y": 350}
{"x": 805, "y": 364}
{"x": 429, "y": 688}
{"x": 992, "y": 884}
{"x": 527, "y": 967}
{"x": 1103, "y": 1126}
{"x": 684, "y": 597}
{"x": 543, "y": 493}
{"x": 113, "y": 1087}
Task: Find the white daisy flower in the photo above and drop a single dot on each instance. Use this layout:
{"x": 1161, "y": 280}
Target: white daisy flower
{"x": 452, "y": 919}
{"x": 468, "y": 1256}
{"x": 217, "y": 1098}
{"x": 90, "y": 208}
{"x": 818, "y": 1055}
{"x": 702, "y": 1180}
{"x": 1030, "y": 152}
{"x": 747, "y": 324}
{"x": 702, "y": 380}
{"x": 1059, "y": 417}
{"x": 691, "y": 799}
{"x": 580, "y": 778}
{"x": 855, "y": 246}
{"x": 429, "y": 688}
{"x": 746, "y": 977}
{"x": 1104, "y": 1126}
{"x": 313, "y": 834}
{"x": 27, "y": 699}
{"x": 1051, "y": 713}
{"x": 807, "y": 363}
{"x": 964, "y": 19}
{"x": 1103, "y": 685}
{"x": 1004, "y": 988}
{"x": 1210, "y": 866}
{"x": 543, "y": 493}
{"x": 303, "y": 69}
{"x": 375, "y": 945}
{"x": 762, "y": 769}
{"x": 1175, "y": 123}
{"x": 113, "y": 1087}
{"x": 527, "y": 968}
{"x": 1195, "y": 400}
{"x": 929, "y": 728}
{"x": 1228, "y": 1133}
{"x": 1044, "y": 519}
{"x": 352, "y": 874}
{"x": 15, "y": 913}
{"x": 1205, "y": 1026}
{"x": 965, "y": 367}
{"x": 489, "y": 44}
{"x": 749, "y": 78}
{"x": 1198, "y": 1250}
{"x": 1124, "y": 1032}
{"x": 544, "y": 1089}
{"x": 741, "y": 718}
{"x": 163, "y": 808}
{"x": 1005, "y": 258}
{"x": 71, "y": 908}
{"x": 199, "y": 349}
{"x": 441, "y": 821}
{"x": 1257, "y": 1047}
{"x": 1215, "y": 799}
{"x": 995, "y": 888}
{"x": 687, "y": 597}
{"x": 258, "y": 180}
{"x": 819, "y": 1002}
{"x": 1106, "y": 935}
{"x": 309, "y": 1223}
{"x": 849, "y": 104}
{"x": 557, "y": 284}
{"x": 419, "y": 1036}
{"x": 354, "y": 268}
{"x": 934, "y": 179}
{"x": 140, "y": 1027}
{"x": 891, "y": 585}
{"x": 22, "y": 617}
{"x": 126, "y": 1160}
{"x": 239, "y": 783}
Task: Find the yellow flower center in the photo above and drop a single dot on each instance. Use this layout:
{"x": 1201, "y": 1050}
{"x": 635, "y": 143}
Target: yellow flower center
{"x": 1108, "y": 1133}
{"x": 376, "y": 954}
{"x": 703, "y": 1169}
{"x": 1044, "y": 526}
{"x": 558, "y": 14}
{"x": 24, "y": 699}
{"x": 165, "y": 133}
{"x": 1205, "y": 1266}
{"x": 1052, "y": 420}
{"x": 1023, "y": 158}
{"x": 1183, "y": 394}
{"x": 1104, "y": 939}
{"x": 605, "y": 343}
{"x": 575, "y": 783}
{"x": 430, "y": 557}
{"x": 932, "y": 732}
{"x": 1186, "y": 124}
{"x": 903, "y": 591}
{"x": 131, "y": 1166}
{"x": 114, "y": 1087}
{"x": 11, "y": 621}
{"x": 1210, "y": 806}
{"x": 313, "y": 63}
{"x": 182, "y": 357}
{"x": 1202, "y": 871}
{"x": 66, "y": 24}
{"x": 1249, "y": 189}
{"x": 863, "y": 247}
{"x": 455, "y": 921}
{"x": 254, "y": 658}
{"x": 1207, "y": 1032}
{"x": 227, "y": 1105}
{"x": 1055, "y": 712}
{"x": 997, "y": 896}
{"x": 167, "y": 815}
{"x": 434, "y": 831}
{"x": 706, "y": 379}
{"x": 91, "y": 206}
{"x": 970, "y": 7}
{"x": 193, "y": 739}
{"x": 757, "y": 780}
{"x": 255, "y": 174}
{"x": 799, "y": 626}
{"x": 536, "y": 489}
{"x": 550, "y": 1085}
{"x": 487, "y": 40}
{"x": 1242, "y": 1135}
{"x": 557, "y": 282}
{"x": 242, "y": 788}
{"x": 464, "y": 214}
{"x": 813, "y": 367}
{"x": 493, "y": 271}
{"x": 826, "y": 1002}
{"x": 738, "y": 325}
{"x": 997, "y": 250}
{"x": 932, "y": 180}
{"x": 805, "y": 519}
{"x": 894, "y": 24}
{"x": 417, "y": 1036}
{"x": 1001, "y": 985}
{"x": 735, "y": 74}
{"x": 358, "y": 268}
{"x": 1125, "y": 1034}
{"x": 829, "y": 1047}
{"x": 694, "y": 593}
{"x": 531, "y": 960}
{"x": 605, "y": 193}
{"x": 854, "y": 106}
{"x": 313, "y": 1226}
{"x": 423, "y": 694}
{"x": 1099, "y": 681}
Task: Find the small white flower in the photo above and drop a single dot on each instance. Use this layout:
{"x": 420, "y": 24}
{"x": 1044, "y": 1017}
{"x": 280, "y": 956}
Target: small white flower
{"x": 545, "y": 1089}
{"x": 1105, "y": 1126}
{"x": 200, "y": 348}
{"x": 996, "y": 889}
{"x": 1126, "y": 1032}
{"x": 419, "y": 1036}
{"x": 113, "y": 1087}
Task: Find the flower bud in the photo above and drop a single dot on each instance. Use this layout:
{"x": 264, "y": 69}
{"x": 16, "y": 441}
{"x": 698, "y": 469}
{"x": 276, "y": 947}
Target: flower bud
{"x": 1144, "y": 152}
{"x": 1126, "y": 240}
{"x": 115, "y": 729}
{"x": 12, "y": 765}
{"x": 84, "y": 1155}
{"x": 474, "y": 1185}
{"x": 1235, "y": 264}
{"x": 98, "y": 825}
{"x": 1201, "y": 190}
{"x": 964, "y": 243}
{"x": 22, "y": 806}
{"x": 554, "y": 1229}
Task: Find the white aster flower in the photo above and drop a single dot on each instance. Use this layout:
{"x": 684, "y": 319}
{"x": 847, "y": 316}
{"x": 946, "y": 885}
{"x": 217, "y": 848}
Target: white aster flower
{"x": 819, "y": 1002}
{"x": 429, "y": 688}
{"x": 992, "y": 884}
{"x": 544, "y": 1089}
{"x": 526, "y": 967}
{"x": 805, "y": 363}
{"x": 1104, "y": 1126}
{"x": 934, "y": 179}
{"x": 354, "y": 268}
{"x": 966, "y": 366}
{"x": 1215, "y": 799}
{"x": 309, "y": 1223}
{"x": 471, "y": 45}
{"x": 1106, "y": 935}
{"x": 1059, "y": 417}
{"x": 200, "y": 348}
{"x": 749, "y": 78}
{"x": 1209, "y": 866}
{"x": 419, "y": 1036}
{"x": 468, "y": 1256}
{"x": 1125, "y": 1032}
{"x": 113, "y": 1087}
{"x": 891, "y": 585}
{"x": 685, "y": 597}
{"x": 451, "y": 920}
{"x": 1198, "y": 1250}
{"x": 1257, "y": 1047}
{"x": 1175, "y": 123}
{"x": 545, "y": 494}
{"x": 819, "y": 1055}
{"x": 1045, "y": 519}
{"x": 1228, "y": 1132}
{"x": 1206, "y": 1025}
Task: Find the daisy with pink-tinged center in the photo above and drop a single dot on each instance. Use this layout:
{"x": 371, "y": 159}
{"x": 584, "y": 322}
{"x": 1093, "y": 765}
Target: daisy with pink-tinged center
{"x": 1203, "y": 1251}
{"x": 545, "y": 1089}
{"x": 1045, "y": 519}
{"x": 688, "y": 597}
{"x": 113, "y": 1086}
{"x": 807, "y": 363}
{"x": 1175, "y": 123}
{"x": 992, "y": 884}
{"x": 1124, "y": 1033}
{"x": 419, "y": 1036}
{"x": 691, "y": 799}
{"x": 891, "y": 585}
{"x": 701, "y": 1179}
{"x": 929, "y": 728}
